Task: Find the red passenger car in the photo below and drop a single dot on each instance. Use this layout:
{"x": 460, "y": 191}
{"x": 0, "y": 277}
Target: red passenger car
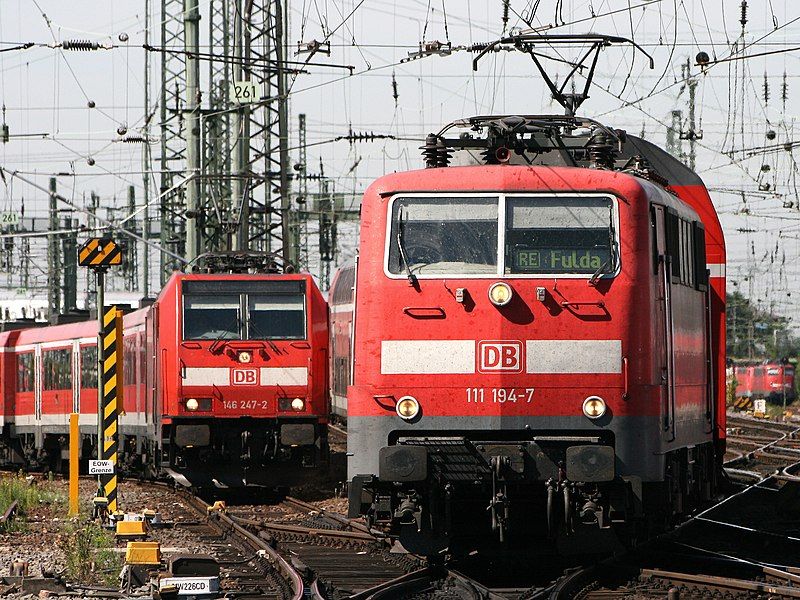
{"x": 225, "y": 382}
{"x": 537, "y": 334}
{"x": 340, "y": 307}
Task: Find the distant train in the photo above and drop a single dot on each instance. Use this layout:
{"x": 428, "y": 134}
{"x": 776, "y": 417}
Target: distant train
{"x": 225, "y": 383}
{"x": 773, "y": 381}
{"x": 531, "y": 343}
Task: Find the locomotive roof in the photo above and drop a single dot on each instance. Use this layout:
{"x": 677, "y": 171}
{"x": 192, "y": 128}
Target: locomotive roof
{"x": 515, "y": 178}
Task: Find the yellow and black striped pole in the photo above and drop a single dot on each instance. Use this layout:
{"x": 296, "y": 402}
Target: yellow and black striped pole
{"x": 111, "y": 397}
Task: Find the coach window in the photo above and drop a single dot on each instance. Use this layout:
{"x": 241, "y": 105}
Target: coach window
{"x": 56, "y": 369}
{"x": 25, "y": 372}
{"x": 207, "y": 317}
{"x": 89, "y": 366}
{"x": 276, "y": 317}
{"x": 129, "y": 364}
{"x": 700, "y": 269}
{"x": 443, "y": 236}
{"x": 560, "y": 235}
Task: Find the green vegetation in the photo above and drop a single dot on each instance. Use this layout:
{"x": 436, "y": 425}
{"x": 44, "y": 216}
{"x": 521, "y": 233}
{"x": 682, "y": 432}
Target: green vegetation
{"x": 29, "y": 495}
{"x": 756, "y": 333}
{"x": 90, "y": 555}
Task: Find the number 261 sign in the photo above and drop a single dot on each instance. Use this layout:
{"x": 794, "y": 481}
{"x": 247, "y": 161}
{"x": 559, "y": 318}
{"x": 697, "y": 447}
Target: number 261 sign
{"x": 244, "y": 92}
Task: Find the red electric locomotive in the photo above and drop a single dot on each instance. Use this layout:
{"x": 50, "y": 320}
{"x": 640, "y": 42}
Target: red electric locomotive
{"x": 225, "y": 383}
{"x": 772, "y": 381}
{"x": 538, "y": 339}
{"x": 743, "y": 375}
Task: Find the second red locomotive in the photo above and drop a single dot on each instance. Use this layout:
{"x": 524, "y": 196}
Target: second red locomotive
{"x": 225, "y": 383}
{"x": 773, "y": 381}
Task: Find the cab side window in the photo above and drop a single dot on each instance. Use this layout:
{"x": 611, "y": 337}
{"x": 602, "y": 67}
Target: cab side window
{"x": 686, "y": 247}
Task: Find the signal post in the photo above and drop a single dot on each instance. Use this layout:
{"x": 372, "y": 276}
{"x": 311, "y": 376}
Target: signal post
{"x": 99, "y": 254}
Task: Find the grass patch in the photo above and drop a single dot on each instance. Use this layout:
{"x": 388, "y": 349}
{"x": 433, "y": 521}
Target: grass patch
{"x": 90, "y": 556}
{"x": 29, "y": 495}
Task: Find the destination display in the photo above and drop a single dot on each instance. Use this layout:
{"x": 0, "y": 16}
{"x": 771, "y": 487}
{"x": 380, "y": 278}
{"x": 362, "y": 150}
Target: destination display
{"x": 559, "y": 260}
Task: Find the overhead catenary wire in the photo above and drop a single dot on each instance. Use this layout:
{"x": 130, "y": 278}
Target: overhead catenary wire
{"x": 110, "y": 224}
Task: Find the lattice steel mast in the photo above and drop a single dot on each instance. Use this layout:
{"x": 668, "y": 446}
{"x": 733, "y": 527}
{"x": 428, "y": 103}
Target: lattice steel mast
{"x": 173, "y": 144}
{"x": 269, "y": 221}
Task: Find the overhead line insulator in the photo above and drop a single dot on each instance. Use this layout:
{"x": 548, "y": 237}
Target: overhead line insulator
{"x": 80, "y": 45}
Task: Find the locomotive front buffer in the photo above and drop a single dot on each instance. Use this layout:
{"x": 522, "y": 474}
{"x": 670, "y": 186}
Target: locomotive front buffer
{"x": 557, "y": 484}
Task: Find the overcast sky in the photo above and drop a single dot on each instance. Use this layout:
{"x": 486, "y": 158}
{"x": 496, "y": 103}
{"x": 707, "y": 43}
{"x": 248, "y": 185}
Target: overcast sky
{"x": 46, "y": 91}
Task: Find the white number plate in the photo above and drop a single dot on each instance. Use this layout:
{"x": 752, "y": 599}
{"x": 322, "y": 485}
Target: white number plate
{"x": 101, "y": 467}
{"x": 500, "y": 395}
{"x": 244, "y": 92}
{"x": 9, "y": 218}
{"x": 244, "y": 404}
{"x": 190, "y": 586}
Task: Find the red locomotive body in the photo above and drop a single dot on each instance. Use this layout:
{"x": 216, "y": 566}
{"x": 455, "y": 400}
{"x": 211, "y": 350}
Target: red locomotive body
{"x": 541, "y": 340}
{"x": 743, "y": 375}
{"x": 224, "y": 380}
{"x": 768, "y": 380}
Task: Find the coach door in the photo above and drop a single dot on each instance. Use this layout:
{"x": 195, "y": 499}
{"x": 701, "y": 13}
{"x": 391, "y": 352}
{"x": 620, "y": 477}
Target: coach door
{"x": 37, "y": 393}
{"x": 664, "y": 325}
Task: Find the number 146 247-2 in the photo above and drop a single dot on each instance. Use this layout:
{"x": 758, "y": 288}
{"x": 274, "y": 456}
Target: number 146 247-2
{"x": 244, "y": 404}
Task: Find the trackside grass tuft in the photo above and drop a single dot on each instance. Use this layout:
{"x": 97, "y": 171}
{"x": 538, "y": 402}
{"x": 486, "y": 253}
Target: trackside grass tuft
{"x": 29, "y": 495}
{"x": 90, "y": 558}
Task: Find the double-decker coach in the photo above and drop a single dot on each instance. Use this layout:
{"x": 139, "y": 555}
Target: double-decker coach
{"x": 340, "y": 308}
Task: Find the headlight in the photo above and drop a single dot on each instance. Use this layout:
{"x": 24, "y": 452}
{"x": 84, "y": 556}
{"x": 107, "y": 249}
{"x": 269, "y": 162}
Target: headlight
{"x": 594, "y": 407}
{"x": 245, "y": 357}
{"x": 298, "y": 404}
{"x": 407, "y": 408}
{"x": 500, "y": 293}
{"x": 192, "y": 404}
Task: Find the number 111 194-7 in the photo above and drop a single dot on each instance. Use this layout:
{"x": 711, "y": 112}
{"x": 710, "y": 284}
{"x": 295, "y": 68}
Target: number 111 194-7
{"x": 500, "y": 395}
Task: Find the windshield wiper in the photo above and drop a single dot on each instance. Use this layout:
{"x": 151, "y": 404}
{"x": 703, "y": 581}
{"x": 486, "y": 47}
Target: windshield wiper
{"x": 222, "y": 336}
{"x": 412, "y": 279}
{"x": 601, "y": 270}
{"x": 612, "y": 244}
{"x": 260, "y": 333}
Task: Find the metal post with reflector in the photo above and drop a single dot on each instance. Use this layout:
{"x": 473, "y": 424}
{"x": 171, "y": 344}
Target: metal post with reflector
{"x": 110, "y": 395}
{"x": 99, "y": 254}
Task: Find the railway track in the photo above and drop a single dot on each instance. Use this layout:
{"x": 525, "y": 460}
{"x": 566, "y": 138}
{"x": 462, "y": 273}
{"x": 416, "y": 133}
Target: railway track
{"x": 742, "y": 546}
{"x": 302, "y": 550}
{"x": 248, "y": 565}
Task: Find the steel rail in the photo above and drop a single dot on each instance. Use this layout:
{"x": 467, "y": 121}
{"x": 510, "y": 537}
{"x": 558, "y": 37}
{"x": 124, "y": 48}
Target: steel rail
{"x": 714, "y": 583}
{"x": 401, "y": 587}
{"x": 261, "y": 547}
{"x": 302, "y": 531}
{"x": 10, "y": 512}
{"x": 301, "y": 506}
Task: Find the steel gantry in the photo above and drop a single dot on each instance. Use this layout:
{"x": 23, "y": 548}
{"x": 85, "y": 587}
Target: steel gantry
{"x": 172, "y": 162}
{"x": 225, "y": 167}
{"x": 267, "y": 222}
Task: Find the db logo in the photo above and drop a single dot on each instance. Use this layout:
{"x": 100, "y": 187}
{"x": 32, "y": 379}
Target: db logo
{"x": 244, "y": 376}
{"x": 500, "y": 356}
